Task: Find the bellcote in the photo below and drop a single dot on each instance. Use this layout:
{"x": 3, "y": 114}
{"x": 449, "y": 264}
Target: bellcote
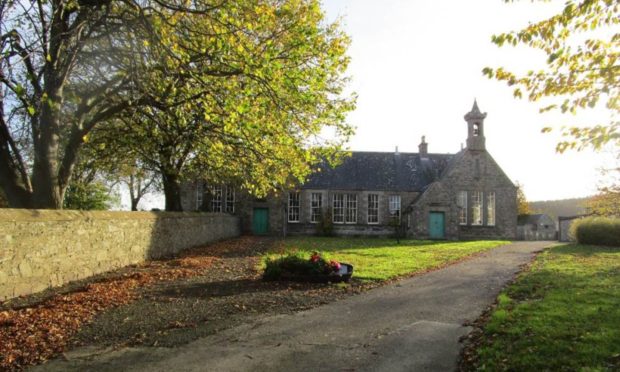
{"x": 423, "y": 147}
{"x": 475, "y": 128}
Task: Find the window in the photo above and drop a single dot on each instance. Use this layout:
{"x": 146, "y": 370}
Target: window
{"x": 293, "y": 207}
{"x": 316, "y": 203}
{"x": 395, "y": 206}
{"x": 476, "y": 208}
{"x": 230, "y": 200}
{"x": 344, "y": 208}
{"x": 338, "y": 208}
{"x": 476, "y": 129}
{"x": 461, "y": 203}
{"x": 491, "y": 208}
{"x": 373, "y": 208}
{"x": 199, "y": 195}
{"x": 216, "y": 199}
{"x": 351, "y": 208}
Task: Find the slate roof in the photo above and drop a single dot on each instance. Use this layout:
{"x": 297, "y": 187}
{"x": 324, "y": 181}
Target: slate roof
{"x": 381, "y": 171}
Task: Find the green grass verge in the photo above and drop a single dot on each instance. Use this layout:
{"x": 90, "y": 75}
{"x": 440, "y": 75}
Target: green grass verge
{"x": 563, "y": 314}
{"x": 381, "y": 259}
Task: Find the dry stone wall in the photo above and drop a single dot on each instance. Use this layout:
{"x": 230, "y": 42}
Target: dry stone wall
{"x": 44, "y": 248}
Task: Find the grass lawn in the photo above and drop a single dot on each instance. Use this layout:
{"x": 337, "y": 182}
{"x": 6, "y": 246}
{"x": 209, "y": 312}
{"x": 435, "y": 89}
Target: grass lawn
{"x": 381, "y": 259}
{"x": 564, "y": 314}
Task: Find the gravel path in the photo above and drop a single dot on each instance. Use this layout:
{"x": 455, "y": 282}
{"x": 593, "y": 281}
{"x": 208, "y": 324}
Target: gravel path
{"x": 414, "y": 324}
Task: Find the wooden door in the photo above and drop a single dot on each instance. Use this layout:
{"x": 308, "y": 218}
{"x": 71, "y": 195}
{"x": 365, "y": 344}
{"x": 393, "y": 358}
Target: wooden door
{"x": 260, "y": 221}
{"x": 437, "y": 227}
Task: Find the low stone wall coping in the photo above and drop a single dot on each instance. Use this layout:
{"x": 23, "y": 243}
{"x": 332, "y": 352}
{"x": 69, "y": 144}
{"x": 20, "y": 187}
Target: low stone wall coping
{"x": 37, "y": 215}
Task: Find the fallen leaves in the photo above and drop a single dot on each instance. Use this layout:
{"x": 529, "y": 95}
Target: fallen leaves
{"x": 36, "y": 333}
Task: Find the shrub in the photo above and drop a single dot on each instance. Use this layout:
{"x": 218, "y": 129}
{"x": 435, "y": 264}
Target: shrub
{"x": 325, "y": 227}
{"x": 295, "y": 264}
{"x": 597, "y": 231}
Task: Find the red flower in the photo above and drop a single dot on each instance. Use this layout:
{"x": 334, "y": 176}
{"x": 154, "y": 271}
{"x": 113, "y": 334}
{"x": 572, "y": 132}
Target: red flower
{"x": 335, "y": 264}
{"x": 315, "y": 257}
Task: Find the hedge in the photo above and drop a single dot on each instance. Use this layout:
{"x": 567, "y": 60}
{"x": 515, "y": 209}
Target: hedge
{"x": 597, "y": 231}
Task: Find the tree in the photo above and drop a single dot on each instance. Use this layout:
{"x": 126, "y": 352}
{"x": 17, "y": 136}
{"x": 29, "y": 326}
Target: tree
{"x": 3, "y": 202}
{"x": 88, "y": 196}
{"x": 73, "y": 67}
{"x": 607, "y": 201}
{"x": 258, "y": 127}
{"x": 140, "y": 182}
{"x": 582, "y": 71}
{"x": 113, "y": 163}
{"x": 89, "y": 189}
{"x": 523, "y": 207}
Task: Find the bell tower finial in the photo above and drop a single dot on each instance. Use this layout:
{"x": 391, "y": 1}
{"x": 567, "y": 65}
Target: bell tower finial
{"x": 475, "y": 128}
{"x": 423, "y": 146}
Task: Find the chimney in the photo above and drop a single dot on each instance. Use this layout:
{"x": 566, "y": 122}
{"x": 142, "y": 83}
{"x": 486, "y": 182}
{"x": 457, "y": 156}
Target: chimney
{"x": 423, "y": 146}
{"x": 396, "y": 151}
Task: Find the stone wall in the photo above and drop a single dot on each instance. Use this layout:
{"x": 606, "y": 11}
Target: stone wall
{"x": 45, "y": 248}
{"x": 533, "y": 232}
{"x": 564, "y": 224}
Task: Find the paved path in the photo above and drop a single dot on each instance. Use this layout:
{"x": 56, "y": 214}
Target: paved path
{"x": 413, "y": 325}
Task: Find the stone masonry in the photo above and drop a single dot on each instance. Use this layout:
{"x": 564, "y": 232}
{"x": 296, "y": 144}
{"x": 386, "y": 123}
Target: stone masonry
{"x": 45, "y": 248}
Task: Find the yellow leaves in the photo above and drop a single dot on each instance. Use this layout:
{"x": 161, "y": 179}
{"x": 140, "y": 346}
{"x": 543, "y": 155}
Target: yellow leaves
{"x": 517, "y": 93}
{"x": 580, "y": 71}
{"x": 33, "y": 334}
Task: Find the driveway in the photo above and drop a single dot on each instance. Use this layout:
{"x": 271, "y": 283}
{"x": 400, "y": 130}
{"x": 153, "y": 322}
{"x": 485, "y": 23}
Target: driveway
{"x": 411, "y": 325}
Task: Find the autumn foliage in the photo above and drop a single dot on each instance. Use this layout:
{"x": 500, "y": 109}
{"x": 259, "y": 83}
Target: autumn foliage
{"x": 32, "y": 334}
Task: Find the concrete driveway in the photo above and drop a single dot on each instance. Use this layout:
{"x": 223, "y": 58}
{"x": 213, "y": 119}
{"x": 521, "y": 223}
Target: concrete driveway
{"x": 412, "y": 325}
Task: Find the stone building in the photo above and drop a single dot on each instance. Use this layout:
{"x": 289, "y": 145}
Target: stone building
{"x": 564, "y": 227}
{"x": 536, "y": 227}
{"x": 439, "y": 196}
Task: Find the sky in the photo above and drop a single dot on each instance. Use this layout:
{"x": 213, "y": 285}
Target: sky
{"x": 416, "y": 68}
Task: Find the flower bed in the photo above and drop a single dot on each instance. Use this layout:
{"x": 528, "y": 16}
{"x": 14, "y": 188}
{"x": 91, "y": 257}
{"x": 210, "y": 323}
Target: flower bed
{"x": 293, "y": 267}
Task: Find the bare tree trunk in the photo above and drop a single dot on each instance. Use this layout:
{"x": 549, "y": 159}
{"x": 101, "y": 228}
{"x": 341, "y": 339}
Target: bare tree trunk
{"x": 172, "y": 191}
{"x": 13, "y": 178}
{"x": 47, "y": 190}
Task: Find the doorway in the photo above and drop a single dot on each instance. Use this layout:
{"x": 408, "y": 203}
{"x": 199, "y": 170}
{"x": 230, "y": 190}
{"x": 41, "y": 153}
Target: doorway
{"x": 260, "y": 221}
{"x": 437, "y": 225}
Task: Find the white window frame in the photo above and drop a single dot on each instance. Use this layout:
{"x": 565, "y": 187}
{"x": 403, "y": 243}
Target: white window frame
{"x": 373, "y": 209}
{"x": 394, "y": 206}
{"x": 462, "y": 207}
{"x": 316, "y": 204}
{"x": 350, "y": 210}
{"x": 294, "y": 206}
{"x": 230, "y": 200}
{"x": 199, "y": 195}
{"x": 338, "y": 208}
{"x": 216, "y": 199}
{"x": 491, "y": 208}
{"x": 476, "y": 208}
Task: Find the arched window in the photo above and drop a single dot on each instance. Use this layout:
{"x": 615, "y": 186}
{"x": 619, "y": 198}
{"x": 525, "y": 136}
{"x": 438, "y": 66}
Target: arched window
{"x": 476, "y": 129}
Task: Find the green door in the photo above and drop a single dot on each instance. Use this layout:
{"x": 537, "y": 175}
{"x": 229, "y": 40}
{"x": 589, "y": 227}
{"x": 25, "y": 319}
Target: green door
{"x": 260, "y": 221}
{"x": 437, "y": 225}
